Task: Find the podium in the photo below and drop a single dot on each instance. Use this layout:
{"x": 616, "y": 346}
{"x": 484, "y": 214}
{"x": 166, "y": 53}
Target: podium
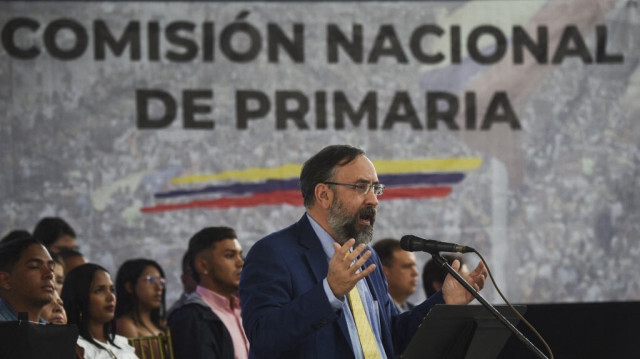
{"x": 461, "y": 332}
{"x": 25, "y": 340}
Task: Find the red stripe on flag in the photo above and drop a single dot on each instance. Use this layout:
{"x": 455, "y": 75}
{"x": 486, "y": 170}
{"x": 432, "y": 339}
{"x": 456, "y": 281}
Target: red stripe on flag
{"x": 415, "y": 192}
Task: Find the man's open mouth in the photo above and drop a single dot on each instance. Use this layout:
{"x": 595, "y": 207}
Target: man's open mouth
{"x": 367, "y": 216}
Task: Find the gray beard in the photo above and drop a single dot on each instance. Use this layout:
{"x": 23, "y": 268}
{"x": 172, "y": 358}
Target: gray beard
{"x": 345, "y": 227}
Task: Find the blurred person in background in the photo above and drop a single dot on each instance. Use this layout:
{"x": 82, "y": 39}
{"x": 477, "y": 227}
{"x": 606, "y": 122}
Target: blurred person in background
{"x": 89, "y": 299}
{"x": 55, "y": 234}
{"x": 189, "y": 282}
{"x": 399, "y": 267}
{"x": 15, "y": 234}
{"x": 72, "y": 258}
{"x": 433, "y": 275}
{"x": 140, "y": 294}
{"x": 58, "y": 272}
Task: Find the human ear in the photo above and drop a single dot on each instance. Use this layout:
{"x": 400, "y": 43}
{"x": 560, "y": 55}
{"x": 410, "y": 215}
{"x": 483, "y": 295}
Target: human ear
{"x": 4, "y": 280}
{"x": 324, "y": 195}
{"x": 201, "y": 266}
{"x": 385, "y": 270}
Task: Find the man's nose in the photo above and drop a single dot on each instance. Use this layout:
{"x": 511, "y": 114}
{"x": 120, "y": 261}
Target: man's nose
{"x": 47, "y": 272}
{"x": 371, "y": 198}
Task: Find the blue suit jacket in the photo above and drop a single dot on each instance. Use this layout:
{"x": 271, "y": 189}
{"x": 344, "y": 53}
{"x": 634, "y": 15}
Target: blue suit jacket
{"x": 286, "y": 313}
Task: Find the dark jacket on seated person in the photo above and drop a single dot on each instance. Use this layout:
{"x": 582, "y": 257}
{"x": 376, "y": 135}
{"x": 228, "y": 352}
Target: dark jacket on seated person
{"x": 6, "y": 312}
{"x": 197, "y": 332}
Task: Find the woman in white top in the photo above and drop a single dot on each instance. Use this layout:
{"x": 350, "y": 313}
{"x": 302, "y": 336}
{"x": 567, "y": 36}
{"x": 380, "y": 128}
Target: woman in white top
{"x": 90, "y": 302}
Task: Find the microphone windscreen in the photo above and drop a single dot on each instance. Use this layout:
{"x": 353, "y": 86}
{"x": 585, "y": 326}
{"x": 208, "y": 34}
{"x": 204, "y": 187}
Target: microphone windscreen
{"x": 406, "y": 243}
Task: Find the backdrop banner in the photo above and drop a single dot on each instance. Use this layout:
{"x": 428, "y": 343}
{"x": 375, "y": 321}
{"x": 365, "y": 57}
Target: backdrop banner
{"x": 509, "y": 126}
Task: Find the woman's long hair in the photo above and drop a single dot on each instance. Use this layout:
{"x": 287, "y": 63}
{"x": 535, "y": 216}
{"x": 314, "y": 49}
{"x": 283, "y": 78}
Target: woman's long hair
{"x": 130, "y": 272}
{"x": 75, "y": 295}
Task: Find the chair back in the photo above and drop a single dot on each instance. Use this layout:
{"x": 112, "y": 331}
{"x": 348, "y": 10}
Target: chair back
{"x": 153, "y": 347}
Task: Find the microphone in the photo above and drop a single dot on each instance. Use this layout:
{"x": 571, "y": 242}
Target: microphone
{"x": 412, "y": 244}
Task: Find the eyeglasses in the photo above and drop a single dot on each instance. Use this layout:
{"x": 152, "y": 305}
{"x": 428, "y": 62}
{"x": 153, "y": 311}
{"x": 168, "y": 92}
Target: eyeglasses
{"x": 155, "y": 280}
{"x": 362, "y": 188}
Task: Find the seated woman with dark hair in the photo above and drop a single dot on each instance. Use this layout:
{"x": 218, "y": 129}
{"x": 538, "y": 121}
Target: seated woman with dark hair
{"x": 90, "y": 302}
{"x": 140, "y": 290}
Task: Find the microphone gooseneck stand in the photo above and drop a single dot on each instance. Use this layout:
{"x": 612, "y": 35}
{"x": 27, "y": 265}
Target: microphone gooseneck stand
{"x": 443, "y": 262}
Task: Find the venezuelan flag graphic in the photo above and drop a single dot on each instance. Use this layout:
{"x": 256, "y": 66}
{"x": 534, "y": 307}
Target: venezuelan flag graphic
{"x": 404, "y": 179}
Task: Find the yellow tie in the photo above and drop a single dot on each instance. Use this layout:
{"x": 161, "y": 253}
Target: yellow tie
{"x": 367, "y": 339}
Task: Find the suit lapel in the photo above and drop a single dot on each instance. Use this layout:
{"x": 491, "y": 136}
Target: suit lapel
{"x": 317, "y": 261}
{"x": 314, "y": 253}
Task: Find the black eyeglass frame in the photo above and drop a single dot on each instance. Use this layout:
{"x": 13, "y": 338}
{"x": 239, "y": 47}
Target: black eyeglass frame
{"x": 363, "y": 188}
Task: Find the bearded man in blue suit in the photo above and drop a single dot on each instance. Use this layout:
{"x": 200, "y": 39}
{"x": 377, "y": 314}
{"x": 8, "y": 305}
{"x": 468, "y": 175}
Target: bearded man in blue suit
{"x": 295, "y": 282}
